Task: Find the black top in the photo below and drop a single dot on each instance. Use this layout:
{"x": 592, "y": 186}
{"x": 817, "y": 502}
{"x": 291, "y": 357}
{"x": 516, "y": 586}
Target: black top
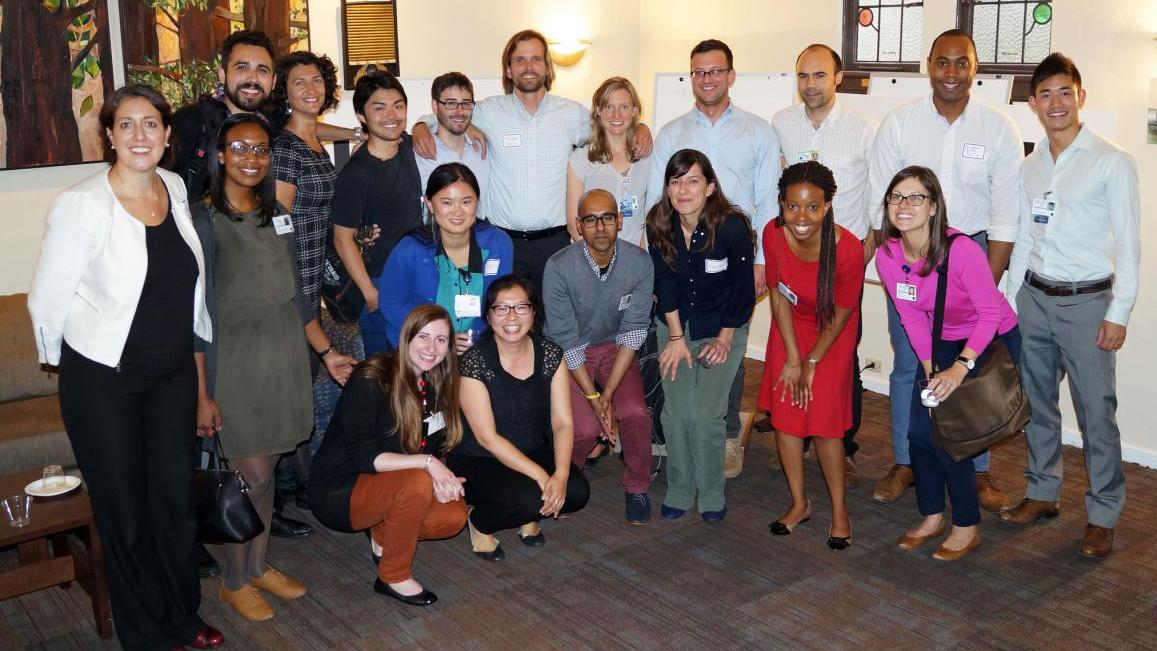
{"x": 161, "y": 338}
{"x": 383, "y": 192}
{"x": 521, "y": 407}
{"x": 194, "y": 136}
{"x": 357, "y": 434}
{"x": 711, "y": 289}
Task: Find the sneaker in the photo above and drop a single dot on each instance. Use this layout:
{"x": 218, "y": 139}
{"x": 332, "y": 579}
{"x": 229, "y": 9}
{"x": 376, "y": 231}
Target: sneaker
{"x": 732, "y": 459}
{"x": 893, "y": 485}
{"x": 638, "y": 508}
{"x": 992, "y": 499}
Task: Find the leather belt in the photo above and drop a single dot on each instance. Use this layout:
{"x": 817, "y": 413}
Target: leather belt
{"x": 535, "y": 235}
{"x": 1067, "y": 289}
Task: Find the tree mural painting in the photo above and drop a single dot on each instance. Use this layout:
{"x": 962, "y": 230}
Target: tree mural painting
{"x": 55, "y": 71}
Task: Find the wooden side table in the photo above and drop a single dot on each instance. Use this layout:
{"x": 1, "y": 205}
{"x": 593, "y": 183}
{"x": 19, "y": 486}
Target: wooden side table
{"x": 60, "y": 545}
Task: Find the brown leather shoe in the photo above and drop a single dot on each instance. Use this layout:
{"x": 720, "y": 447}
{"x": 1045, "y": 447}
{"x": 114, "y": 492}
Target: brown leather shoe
{"x": 992, "y": 499}
{"x": 892, "y": 486}
{"x": 248, "y": 602}
{"x": 1098, "y": 542}
{"x": 944, "y": 554}
{"x": 278, "y": 585}
{"x": 908, "y": 543}
{"x": 1030, "y": 510}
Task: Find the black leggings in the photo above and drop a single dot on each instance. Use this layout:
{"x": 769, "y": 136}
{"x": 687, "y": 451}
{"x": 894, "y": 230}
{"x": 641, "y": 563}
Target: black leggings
{"x": 503, "y": 498}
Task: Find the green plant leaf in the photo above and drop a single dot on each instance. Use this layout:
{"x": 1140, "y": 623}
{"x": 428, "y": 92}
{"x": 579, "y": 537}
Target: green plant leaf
{"x": 92, "y": 66}
{"x": 78, "y": 77}
{"x": 87, "y": 105}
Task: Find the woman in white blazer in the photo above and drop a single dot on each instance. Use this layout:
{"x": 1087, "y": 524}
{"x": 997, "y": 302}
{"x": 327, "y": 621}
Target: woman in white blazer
{"x": 117, "y": 296}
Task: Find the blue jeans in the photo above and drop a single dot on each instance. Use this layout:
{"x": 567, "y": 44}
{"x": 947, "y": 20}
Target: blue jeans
{"x": 933, "y": 469}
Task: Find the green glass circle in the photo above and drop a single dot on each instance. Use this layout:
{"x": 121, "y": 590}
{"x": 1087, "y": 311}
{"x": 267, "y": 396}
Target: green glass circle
{"x": 1042, "y": 13}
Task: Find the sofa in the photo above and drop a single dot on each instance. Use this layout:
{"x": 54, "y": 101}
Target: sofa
{"x": 31, "y": 431}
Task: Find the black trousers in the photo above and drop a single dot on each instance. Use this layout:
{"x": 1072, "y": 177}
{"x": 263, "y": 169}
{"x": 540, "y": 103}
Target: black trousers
{"x": 530, "y": 256}
{"x": 503, "y": 498}
{"x": 132, "y": 434}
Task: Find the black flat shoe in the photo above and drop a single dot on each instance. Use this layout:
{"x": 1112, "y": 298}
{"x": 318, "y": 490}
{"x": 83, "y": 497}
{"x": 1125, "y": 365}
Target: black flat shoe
{"x": 537, "y": 540}
{"x": 284, "y": 527}
{"x": 496, "y": 555}
{"x": 423, "y": 598}
{"x": 839, "y": 544}
{"x": 591, "y": 462}
{"x": 778, "y": 528}
{"x": 206, "y": 565}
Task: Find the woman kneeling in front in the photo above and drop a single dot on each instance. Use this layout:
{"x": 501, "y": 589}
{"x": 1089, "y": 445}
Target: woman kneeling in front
{"x": 379, "y": 466}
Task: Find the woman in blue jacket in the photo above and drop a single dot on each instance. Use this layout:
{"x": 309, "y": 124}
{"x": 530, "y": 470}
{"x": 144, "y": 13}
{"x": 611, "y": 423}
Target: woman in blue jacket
{"x": 451, "y": 262}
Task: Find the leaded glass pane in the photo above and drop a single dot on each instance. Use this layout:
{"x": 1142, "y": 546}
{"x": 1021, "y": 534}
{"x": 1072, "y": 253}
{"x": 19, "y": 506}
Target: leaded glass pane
{"x": 889, "y": 34}
{"x": 866, "y": 43}
{"x": 1012, "y": 31}
{"x": 1010, "y": 34}
{"x": 912, "y": 34}
{"x": 984, "y": 32}
{"x": 1039, "y": 38}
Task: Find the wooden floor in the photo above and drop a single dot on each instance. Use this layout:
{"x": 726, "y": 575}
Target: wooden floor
{"x": 600, "y": 583}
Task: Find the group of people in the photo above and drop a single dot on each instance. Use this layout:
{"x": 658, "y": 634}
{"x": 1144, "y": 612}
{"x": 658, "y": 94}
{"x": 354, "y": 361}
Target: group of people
{"x": 514, "y": 256}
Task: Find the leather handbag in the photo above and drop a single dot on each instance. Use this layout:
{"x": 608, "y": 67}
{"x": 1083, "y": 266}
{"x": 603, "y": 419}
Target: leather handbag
{"x": 225, "y": 514}
{"x": 989, "y": 406}
{"x": 342, "y": 297}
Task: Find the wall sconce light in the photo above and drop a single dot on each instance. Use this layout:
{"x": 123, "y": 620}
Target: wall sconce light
{"x": 568, "y": 53}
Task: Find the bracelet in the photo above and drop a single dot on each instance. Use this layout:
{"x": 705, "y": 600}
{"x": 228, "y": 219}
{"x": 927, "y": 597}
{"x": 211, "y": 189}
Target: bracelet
{"x": 813, "y": 361}
{"x": 670, "y": 338}
{"x": 325, "y": 352}
{"x": 359, "y": 133}
{"x": 593, "y": 396}
{"x": 429, "y": 460}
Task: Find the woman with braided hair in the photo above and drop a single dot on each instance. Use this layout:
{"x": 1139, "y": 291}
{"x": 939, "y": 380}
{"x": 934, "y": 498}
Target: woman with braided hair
{"x": 817, "y": 270}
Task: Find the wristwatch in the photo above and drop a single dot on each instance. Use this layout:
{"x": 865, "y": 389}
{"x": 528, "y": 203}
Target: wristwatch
{"x": 968, "y": 363}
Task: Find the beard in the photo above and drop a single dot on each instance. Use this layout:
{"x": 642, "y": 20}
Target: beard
{"x": 529, "y": 86}
{"x": 245, "y": 104}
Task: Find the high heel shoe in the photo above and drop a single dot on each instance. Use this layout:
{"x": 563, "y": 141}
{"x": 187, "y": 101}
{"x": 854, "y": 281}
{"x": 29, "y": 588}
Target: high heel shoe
{"x": 779, "y": 528}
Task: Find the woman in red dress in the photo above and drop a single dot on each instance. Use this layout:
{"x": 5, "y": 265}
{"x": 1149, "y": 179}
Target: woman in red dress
{"x": 815, "y": 270}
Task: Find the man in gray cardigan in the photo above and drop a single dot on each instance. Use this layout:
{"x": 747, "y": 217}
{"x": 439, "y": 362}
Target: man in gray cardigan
{"x": 598, "y": 294}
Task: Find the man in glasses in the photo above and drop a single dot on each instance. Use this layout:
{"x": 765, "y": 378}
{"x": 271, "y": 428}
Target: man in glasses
{"x": 597, "y": 295}
{"x": 744, "y": 151}
{"x": 452, "y": 99}
{"x": 976, "y": 152}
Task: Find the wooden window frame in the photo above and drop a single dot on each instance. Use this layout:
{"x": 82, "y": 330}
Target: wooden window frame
{"x": 851, "y": 64}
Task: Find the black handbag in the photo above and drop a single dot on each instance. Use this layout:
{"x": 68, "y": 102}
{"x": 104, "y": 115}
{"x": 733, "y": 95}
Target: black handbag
{"x": 989, "y": 406}
{"x": 341, "y": 294}
{"x": 225, "y": 514}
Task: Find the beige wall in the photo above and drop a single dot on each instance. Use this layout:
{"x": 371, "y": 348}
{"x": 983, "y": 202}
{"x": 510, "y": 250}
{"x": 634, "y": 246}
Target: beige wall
{"x": 1111, "y": 41}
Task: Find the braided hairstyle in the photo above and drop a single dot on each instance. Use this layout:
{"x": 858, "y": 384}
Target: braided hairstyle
{"x": 815, "y": 173}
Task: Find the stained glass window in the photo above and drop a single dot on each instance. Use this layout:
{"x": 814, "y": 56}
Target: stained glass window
{"x": 1009, "y": 33}
{"x": 885, "y": 34}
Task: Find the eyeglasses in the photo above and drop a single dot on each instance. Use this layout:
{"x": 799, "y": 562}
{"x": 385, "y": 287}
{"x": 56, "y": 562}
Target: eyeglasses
{"x": 714, "y": 73}
{"x": 895, "y": 198}
{"x": 454, "y": 105}
{"x": 608, "y": 219}
{"x": 502, "y": 309}
{"x": 241, "y": 148}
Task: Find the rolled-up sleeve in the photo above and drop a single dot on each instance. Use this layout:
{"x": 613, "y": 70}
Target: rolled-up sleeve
{"x": 1005, "y": 186}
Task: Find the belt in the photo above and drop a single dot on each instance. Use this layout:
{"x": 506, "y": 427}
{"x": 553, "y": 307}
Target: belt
{"x": 1067, "y": 289}
{"x": 534, "y": 235}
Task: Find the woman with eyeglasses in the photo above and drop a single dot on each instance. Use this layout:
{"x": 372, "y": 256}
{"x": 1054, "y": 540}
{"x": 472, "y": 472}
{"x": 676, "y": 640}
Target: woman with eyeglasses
{"x": 254, "y": 380}
{"x": 916, "y": 241}
{"x": 516, "y": 454}
{"x": 451, "y": 262}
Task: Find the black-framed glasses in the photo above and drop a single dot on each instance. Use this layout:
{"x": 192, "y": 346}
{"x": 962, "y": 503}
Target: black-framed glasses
{"x": 894, "y": 198}
{"x": 242, "y": 148}
{"x": 502, "y": 309}
{"x": 454, "y": 105}
{"x": 714, "y": 73}
{"x": 608, "y": 219}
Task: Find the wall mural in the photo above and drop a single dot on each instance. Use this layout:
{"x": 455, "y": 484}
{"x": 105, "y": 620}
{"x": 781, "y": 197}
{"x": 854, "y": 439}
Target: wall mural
{"x": 55, "y": 71}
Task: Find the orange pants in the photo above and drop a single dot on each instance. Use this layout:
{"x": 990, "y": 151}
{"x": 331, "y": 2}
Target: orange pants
{"x": 399, "y": 509}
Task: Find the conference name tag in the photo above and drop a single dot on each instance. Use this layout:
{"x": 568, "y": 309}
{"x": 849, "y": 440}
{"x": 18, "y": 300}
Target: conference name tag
{"x": 715, "y": 266}
{"x": 1043, "y": 209}
{"x": 905, "y": 292}
{"x": 972, "y": 150}
{"x": 628, "y": 205}
{"x": 491, "y": 267}
{"x": 805, "y": 156}
{"x": 282, "y": 224}
{"x": 437, "y": 423}
{"x": 512, "y": 140}
{"x": 624, "y": 302}
{"x": 467, "y": 306}
{"x": 787, "y": 293}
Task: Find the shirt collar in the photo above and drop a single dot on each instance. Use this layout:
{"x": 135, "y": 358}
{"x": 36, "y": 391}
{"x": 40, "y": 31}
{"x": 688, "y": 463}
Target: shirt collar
{"x": 595, "y": 267}
{"x": 701, "y": 117}
{"x": 833, "y": 115}
{"x": 969, "y": 108}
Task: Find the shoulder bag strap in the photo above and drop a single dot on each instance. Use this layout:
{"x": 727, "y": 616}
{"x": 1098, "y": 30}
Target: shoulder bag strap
{"x": 941, "y": 294}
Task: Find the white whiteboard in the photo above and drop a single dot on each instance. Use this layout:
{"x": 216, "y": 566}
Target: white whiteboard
{"x": 994, "y": 89}
{"x": 762, "y": 94}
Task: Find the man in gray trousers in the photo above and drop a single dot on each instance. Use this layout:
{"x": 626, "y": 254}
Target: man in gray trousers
{"x": 1074, "y": 273}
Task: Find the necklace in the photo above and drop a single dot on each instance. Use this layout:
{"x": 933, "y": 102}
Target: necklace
{"x": 425, "y": 413}
{"x": 134, "y": 199}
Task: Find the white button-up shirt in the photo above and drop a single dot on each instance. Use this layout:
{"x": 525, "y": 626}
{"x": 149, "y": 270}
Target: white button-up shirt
{"x": 977, "y": 159}
{"x": 843, "y": 143}
{"x": 1093, "y": 229}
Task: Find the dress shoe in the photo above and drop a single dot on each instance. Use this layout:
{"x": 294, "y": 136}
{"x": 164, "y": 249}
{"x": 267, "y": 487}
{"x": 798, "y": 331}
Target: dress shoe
{"x": 893, "y": 484}
{"x": 494, "y": 555}
{"x": 207, "y": 638}
{"x": 532, "y": 539}
{"x": 992, "y": 499}
{"x": 278, "y": 585}
{"x": 908, "y": 543}
{"x": 944, "y": 554}
{"x": 1097, "y": 543}
{"x": 477, "y": 537}
{"x": 248, "y": 602}
{"x": 423, "y": 598}
{"x": 732, "y": 459}
{"x": 671, "y": 513}
{"x": 206, "y": 565}
{"x": 603, "y": 448}
{"x": 779, "y": 528}
{"x": 1030, "y": 510}
{"x": 715, "y": 516}
{"x": 839, "y": 543}
{"x": 301, "y": 498}
{"x": 284, "y": 527}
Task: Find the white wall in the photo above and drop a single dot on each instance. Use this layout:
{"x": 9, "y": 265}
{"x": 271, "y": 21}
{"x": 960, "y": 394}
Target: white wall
{"x": 1112, "y": 42}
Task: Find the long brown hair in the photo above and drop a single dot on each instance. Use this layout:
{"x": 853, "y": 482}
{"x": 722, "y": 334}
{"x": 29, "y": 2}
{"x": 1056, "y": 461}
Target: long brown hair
{"x": 937, "y": 223}
{"x": 508, "y": 53}
{"x": 815, "y": 173}
{"x": 600, "y": 151}
{"x": 397, "y": 380}
{"x": 663, "y": 222}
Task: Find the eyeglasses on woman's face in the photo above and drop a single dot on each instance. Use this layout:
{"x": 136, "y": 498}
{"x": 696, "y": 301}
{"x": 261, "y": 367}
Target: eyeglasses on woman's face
{"x": 242, "y": 148}
{"x": 503, "y": 309}
{"x": 895, "y": 198}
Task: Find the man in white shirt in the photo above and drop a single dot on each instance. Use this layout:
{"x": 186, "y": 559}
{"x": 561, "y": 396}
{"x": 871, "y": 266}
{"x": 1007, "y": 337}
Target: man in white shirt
{"x": 743, "y": 149}
{"x": 452, "y": 100}
{"x": 820, "y": 129}
{"x": 976, "y": 152}
{"x": 1074, "y": 277}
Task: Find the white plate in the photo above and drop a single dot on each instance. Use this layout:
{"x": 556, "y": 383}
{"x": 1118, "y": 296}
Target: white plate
{"x": 37, "y": 489}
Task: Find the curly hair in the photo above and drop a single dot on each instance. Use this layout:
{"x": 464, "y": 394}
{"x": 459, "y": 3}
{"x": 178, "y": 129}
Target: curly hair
{"x": 279, "y": 99}
{"x": 814, "y": 173}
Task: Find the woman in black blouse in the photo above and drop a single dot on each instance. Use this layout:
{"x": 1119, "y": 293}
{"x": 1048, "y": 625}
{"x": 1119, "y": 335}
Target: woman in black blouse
{"x": 516, "y": 456}
{"x": 379, "y": 466}
{"x": 703, "y": 248}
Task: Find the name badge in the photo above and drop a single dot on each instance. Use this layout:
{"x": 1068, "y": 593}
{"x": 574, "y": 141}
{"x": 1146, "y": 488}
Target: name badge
{"x": 624, "y": 302}
{"x": 282, "y": 224}
{"x": 787, "y": 293}
{"x": 628, "y": 206}
{"x": 437, "y": 423}
{"x": 512, "y": 140}
{"x": 715, "y": 266}
{"x": 805, "y": 156}
{"x": 971, "y": 150}
{"x": 491, "y": 267}
{"x": 1043, "y": 209}
{"x": 467, "y": 306}
{"x": 905, "y": 292}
